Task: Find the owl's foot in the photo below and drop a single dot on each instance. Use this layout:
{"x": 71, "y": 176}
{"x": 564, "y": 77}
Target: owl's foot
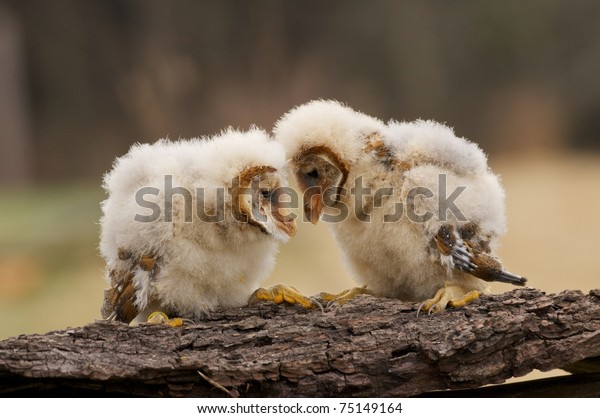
{"x": 449, "y": 295}
{"x": 282, "y": 293}
{"x": 345, "y": 296}
{"x": 162, "y": 318}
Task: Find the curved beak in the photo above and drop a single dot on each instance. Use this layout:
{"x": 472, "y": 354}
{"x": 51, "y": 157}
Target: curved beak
{"x": 285, "y": 221}
{"x": 313, "y": 208}
{"x": 288, "y": 225}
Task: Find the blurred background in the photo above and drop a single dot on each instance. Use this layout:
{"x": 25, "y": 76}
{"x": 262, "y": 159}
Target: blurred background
{"x": 80, "y": 82}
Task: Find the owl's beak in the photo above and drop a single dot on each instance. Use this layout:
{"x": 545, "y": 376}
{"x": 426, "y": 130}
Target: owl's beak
{"x": 313, "y": 208}
{"x": 288, "y": 225}
{"x": 285, "y": 221}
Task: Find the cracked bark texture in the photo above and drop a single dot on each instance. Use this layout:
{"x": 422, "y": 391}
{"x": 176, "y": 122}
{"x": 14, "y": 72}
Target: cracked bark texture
{"x": 369, "y": 347}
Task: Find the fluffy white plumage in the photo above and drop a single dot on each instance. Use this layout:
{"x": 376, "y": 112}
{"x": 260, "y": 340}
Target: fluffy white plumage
{"x": 331, "y": 145}
{"x": 184, "y": 265}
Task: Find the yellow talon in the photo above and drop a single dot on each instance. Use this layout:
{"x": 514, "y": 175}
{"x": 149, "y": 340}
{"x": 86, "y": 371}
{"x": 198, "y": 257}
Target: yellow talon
{"x": 175, "y": 322}
{"x": 162, "y": 318}
{"x": 282, "y": 293}
{"x": 449, "y": 295}
{"x": 345, "y": 296}
{"x": 278, "y": 298}
{"x": 464, "y": 300}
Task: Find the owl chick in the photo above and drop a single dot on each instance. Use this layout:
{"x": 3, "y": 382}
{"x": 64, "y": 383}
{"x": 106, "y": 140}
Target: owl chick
{"x": 189, "y": 226}
{"x": 415, "y": 209}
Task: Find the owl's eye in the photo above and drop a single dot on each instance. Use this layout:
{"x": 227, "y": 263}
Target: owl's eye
{"x": 314, "y": 174}
{"x": 266, "y": 194}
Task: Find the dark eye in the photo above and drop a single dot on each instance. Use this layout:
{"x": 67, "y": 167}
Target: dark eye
{"x": 313, "y": 173}
{"x": 267, "y": 194}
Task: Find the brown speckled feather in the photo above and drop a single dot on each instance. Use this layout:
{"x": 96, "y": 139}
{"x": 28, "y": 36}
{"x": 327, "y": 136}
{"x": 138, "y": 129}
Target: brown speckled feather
{"x": 470, "y": 253}
{"x": 382, "y": 153}
{"x": 119, "y": 300}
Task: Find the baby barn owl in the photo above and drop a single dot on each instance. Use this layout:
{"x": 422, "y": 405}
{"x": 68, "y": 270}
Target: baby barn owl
{"x": 335, "y": 151}
{"x": 165, "y": 246}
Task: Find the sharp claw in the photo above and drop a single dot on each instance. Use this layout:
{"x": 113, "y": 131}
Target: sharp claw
{"x": 420, "y": 307}
{"x": 316, "y": 302}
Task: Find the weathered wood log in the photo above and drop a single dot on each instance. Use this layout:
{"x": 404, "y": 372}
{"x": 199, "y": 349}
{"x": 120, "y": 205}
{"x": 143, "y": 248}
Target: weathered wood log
{"x": 367, "y": 347}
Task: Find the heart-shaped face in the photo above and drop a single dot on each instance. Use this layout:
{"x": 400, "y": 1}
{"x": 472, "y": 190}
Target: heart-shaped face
{"x": 321, "y": 176}
{"x": 257, "y": 200}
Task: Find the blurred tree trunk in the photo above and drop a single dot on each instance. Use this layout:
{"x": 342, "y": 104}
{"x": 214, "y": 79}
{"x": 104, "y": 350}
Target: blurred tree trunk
{"x": 15, "y": 135}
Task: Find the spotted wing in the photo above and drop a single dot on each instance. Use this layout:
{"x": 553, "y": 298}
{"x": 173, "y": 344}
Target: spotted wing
{"x": 470, "y": 252}
{"x": 128, "y": 294}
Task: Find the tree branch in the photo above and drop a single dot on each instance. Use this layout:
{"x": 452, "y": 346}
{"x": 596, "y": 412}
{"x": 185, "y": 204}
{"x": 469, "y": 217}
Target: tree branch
{"x": 368, "y": 347}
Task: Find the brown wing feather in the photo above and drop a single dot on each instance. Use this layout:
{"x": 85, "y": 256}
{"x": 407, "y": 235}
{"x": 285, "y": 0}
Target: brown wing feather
{"x": 119, "y": 300}
{"x": 470, "y": 253}
{"x": 382, "y": 153}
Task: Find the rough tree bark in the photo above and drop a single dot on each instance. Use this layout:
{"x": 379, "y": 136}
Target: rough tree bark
{"x": 368, "y": 347}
